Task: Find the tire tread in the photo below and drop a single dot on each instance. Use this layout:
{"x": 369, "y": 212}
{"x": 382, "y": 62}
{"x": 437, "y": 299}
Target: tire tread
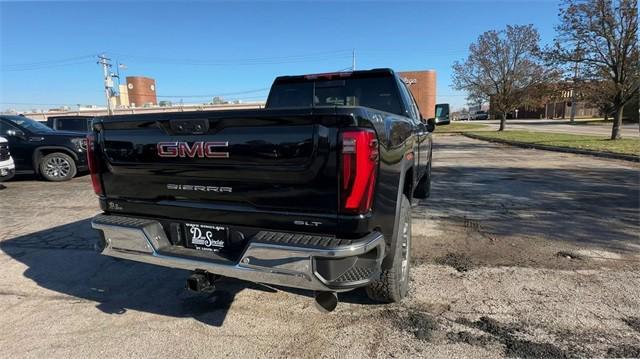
{"x": 388, "y": 288}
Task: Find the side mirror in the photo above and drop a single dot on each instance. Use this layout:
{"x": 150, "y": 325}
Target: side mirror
{"x": 442, "y": 114}
{"x": 15, "y": 133}
{"x": 431, "y": 124}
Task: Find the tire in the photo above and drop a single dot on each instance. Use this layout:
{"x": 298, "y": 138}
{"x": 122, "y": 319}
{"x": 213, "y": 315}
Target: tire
{"x": 393, "y": 284}
{"x": 57, "y": 167}
{"x": 423, "y": 188}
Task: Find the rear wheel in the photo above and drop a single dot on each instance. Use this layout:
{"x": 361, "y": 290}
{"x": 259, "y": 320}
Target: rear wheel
{"x": 393, "y": 283}
{"x": 57, "y": 167}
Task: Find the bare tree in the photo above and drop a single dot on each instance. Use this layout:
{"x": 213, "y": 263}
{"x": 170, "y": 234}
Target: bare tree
{"x": 601, "y": 36}
{"x": 502, "y": 68}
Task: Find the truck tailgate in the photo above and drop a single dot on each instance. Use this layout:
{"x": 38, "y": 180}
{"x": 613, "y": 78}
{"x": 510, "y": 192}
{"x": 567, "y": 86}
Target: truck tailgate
{"x": 243, "y": 161}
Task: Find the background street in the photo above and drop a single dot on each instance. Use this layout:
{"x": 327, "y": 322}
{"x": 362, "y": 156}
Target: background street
{"x": 516, "y": 253}
{"x": 562, "y": 126}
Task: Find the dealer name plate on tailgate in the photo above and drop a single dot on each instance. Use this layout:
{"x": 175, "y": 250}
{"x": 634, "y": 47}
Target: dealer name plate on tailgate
{"x": 206, "y": 237}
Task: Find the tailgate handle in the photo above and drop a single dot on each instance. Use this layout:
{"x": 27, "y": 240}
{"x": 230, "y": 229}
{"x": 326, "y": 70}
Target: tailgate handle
{"x": 189, "y": 127}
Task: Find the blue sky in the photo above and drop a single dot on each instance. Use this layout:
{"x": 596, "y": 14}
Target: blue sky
{"x": 204, "y": 48}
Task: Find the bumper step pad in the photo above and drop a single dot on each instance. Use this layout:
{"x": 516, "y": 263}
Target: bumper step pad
{"x": 300, "y": 239}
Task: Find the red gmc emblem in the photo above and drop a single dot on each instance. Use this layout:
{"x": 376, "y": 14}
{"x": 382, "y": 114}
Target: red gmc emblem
{"x": 199, "y": 149}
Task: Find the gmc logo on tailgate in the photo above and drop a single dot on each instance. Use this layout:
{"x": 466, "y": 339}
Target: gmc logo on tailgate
{"x": 199, "y": 149}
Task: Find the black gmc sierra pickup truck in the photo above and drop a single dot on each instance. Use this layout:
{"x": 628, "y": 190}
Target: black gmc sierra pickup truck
{"x": 312, "y": 192}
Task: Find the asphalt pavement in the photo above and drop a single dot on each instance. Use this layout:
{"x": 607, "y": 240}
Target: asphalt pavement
{"x": 518, "y": 253}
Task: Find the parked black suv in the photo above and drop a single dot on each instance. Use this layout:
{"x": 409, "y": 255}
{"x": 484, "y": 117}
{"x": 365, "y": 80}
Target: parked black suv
{"x": 36, "y": 148}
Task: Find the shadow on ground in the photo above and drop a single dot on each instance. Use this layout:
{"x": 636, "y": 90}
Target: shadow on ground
{"x": 22, "y": 177}
{"x": 63, "y": 259}
{"x": 597, "y": 206}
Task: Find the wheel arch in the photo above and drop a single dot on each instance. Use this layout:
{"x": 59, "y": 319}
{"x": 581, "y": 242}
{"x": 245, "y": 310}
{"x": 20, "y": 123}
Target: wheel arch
{"x": 42, "y": 151}
{"x": 406, "y": 185}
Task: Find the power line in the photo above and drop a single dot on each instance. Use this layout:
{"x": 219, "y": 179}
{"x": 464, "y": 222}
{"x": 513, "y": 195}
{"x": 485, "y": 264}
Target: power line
{"x": 270, "y": 58}
{"x": 241, "y": 62}
{"x": 160, "y": 96}
{"x": 273, "y": 60}
{"x": 216, "y": 95}
{"x": 38, "y": 104}
{"x": 43, "y": 67}
{"x": 44, "y": 62}
{"x": 429, "y": 51}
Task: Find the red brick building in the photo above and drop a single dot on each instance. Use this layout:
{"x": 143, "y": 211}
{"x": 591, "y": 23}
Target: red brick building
{"x": 423, "y": 88}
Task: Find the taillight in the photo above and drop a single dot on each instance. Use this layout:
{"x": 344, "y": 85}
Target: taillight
{"x": 94, "y": 167}
{"x": 359, "y": 170}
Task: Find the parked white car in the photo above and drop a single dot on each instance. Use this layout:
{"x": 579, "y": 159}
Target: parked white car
{"x": 7, "y": 167}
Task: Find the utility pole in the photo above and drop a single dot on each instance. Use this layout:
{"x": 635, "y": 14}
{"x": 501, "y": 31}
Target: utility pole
{"x": 119, "y": 66}
{"x": 353, "y": 60}
{"x": 108, "y": 80}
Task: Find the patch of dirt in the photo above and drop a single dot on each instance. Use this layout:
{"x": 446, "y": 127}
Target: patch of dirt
{"x": 514, "y": 347}
{"x": 624, "y": 351}
{"x": 432, "y": 308}
{"x": 633, "y": 322}
{"x": 471, "y": 339}
{"x": 460, "y": 261}
{"x": 422, "y": 325}
{"x": 488, "y": 325}
{"x": 528, "y": 349}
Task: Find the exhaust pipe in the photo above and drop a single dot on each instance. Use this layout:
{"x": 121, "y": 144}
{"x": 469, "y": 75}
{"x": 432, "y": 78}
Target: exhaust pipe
{"x": 100, "y": 244}
{"x": 326, "y": 302}
{"x": 201, "y": 282}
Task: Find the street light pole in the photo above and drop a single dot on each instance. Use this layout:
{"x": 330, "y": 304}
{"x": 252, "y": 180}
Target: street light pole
{"x": 574, "y": 89}
{"x": 353, "y": 59}
{"x": 573, "y": 94}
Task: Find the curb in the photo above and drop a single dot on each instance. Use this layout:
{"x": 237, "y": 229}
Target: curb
{"x": 458, "y": 133}
{"x": 617, "y": 156}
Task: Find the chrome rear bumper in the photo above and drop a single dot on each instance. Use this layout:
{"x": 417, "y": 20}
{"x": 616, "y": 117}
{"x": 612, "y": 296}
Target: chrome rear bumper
{"x": 144, "y": 240}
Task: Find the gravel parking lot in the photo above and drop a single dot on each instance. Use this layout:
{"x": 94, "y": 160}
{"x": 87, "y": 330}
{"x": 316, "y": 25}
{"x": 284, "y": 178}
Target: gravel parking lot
{"x": 518, "y": 253}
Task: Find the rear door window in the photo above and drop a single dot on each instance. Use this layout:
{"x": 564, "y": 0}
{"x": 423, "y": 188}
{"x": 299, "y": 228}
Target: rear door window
{"x": 297, "y": 94}
{"x": 71, "y": 124}
{"x": 408, "y": 99}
